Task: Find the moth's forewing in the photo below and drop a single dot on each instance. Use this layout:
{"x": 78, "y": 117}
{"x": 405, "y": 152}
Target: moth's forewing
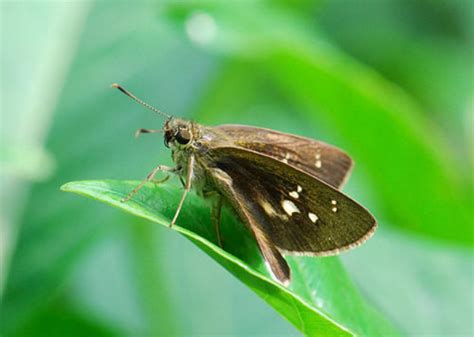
{"x": 316, "y": 158}
{"x": 297, "y": 212}
{"x": 236, "y": 195}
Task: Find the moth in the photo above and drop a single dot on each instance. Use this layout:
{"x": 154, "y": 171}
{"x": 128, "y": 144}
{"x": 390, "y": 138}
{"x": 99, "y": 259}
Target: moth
{"x": 284, "y": 188}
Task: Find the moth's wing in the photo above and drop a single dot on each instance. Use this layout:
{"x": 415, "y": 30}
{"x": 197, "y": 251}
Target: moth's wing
{"x": 316, "y": 158}
{"x": 299, "y": 213}
{"x": 236, "y": 195}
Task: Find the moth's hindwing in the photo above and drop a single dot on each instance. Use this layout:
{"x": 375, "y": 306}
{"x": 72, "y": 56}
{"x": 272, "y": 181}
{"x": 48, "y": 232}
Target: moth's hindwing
{"x": 316, "y": 158}
{"x": 297, "y": 212}
{"x": 236, "y": 195}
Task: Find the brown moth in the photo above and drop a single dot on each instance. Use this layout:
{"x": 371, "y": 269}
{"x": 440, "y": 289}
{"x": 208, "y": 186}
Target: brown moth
{"x": 285, "y": 188}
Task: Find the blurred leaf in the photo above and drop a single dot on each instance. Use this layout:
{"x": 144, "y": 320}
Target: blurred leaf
{"x": 420, "y": 284}
{"x": 423, "y": 46}
{"x": 410, "y": 167}
{"x": 27, "y": 163}
{"x": 321, "y": 299}
{"x": 68, "y": 321}
{"x": 29, "y": 88}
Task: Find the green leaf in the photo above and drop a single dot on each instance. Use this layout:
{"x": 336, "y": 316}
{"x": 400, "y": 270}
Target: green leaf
{"x": 321, "y": 299}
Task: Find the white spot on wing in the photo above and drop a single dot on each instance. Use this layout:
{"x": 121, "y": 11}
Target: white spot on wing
{"x": 334, "y": 202}
{"x": 313, "y": 217}
{"x": 299, "y": 189}
{"x": 289, "y": 207}
{"x": 285, "y": 160}
{"x": 334, "y": 209}
{"x": 294, "y": 195}
{"x": 318, "y": 162}
{"x": 267, "y": 207}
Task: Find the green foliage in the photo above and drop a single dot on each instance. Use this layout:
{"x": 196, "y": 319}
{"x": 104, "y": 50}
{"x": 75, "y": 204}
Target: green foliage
{"x": 387, "y": 81}
{"x": 321, "y": 299}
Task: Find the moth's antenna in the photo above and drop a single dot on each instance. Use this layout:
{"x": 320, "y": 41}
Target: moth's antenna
{"x": 136, "y": 99}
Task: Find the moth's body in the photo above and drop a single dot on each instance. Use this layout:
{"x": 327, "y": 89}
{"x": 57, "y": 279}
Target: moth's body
{"x": 274, "y": 182}
{"x": 284, "y": 188}
{"x": 202, "y": 142}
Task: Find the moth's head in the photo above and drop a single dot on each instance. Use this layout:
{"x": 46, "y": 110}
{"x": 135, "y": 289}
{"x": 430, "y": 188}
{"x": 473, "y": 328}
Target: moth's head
{"x": 178, "y": 133}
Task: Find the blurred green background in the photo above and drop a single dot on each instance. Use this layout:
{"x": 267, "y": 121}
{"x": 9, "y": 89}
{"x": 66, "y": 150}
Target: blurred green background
{"x": 389, "y": 81}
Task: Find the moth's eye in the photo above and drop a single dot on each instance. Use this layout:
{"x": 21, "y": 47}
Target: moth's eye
{"x": 183, "y": 136}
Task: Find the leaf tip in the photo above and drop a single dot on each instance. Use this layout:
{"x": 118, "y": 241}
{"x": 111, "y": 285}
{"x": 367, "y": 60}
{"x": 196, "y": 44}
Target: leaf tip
{"x": 68, "y": 187}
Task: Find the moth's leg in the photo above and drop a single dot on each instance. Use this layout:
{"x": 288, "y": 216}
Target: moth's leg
{"x": 216, "y": 218}
{"x": 187, "y": 187}
{"x": 148, "y": 178}
{"x": 161, "y": 181}
{"x": 140, "y": 131}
